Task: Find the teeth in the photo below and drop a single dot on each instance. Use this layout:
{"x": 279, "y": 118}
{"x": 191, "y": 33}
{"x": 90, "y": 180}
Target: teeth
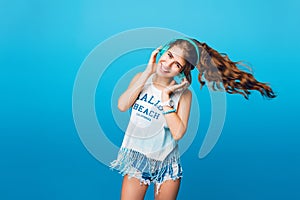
{"x": 164, "y": 69}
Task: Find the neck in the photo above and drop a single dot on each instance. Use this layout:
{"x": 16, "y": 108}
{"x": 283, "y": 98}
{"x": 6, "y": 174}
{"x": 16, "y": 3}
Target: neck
{"x": 161, "y": 81}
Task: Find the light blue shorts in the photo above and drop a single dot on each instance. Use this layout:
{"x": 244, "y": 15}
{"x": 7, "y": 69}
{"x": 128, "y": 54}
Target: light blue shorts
{"x": 170, "y": 172}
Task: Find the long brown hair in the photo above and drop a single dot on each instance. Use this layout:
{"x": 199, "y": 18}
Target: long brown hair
{"x": 219, "y": 72}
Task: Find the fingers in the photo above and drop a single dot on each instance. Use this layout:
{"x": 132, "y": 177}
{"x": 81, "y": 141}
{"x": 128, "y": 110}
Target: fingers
{"x": 172, "y": 87}
{"x": 159, "y": 48}
{"x": 183, "y": 82}
{"x": 182, "y": 85}
{"x": 172, "y": 83}
{"x": 186, "y": 82}
{"x": 154, "y": 54}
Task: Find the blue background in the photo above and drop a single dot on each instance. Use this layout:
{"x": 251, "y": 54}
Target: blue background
{"x": 42, "y": 45}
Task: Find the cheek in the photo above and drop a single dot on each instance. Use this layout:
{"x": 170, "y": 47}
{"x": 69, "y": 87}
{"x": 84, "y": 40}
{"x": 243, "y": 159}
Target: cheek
{"x": 163, "y": 57}
{"x": 176, "y": 70}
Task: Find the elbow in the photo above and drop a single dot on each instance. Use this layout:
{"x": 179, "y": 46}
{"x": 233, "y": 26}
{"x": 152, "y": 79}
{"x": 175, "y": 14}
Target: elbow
{"x": 122, "y": 108}
{"x": 178, "y": 136}
{"x": 178, "y": 132}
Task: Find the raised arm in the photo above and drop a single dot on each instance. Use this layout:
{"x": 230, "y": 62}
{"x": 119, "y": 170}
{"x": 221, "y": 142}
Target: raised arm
{"x": 128, "y": 98}
{"x": 136, "y": 85}
{"x": 178, "y": 121}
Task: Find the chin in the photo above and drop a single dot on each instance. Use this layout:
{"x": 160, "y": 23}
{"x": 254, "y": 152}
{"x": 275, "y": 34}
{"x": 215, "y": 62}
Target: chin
{"x": 161, "y": 73}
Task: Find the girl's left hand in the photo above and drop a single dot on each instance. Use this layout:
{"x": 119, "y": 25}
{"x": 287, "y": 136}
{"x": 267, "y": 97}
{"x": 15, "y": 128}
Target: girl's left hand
{"x": 172, "y": 87}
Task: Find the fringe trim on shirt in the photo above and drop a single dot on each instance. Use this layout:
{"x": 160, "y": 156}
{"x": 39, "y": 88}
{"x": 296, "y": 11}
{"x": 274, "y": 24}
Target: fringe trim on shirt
{"x": 138, "y": 165}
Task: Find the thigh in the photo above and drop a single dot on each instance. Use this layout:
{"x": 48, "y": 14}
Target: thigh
{"x": 133, "y": 189}
{"x": 168, "y": 190}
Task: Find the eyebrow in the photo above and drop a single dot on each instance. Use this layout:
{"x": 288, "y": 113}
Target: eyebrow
{"x": 176, "y": 61}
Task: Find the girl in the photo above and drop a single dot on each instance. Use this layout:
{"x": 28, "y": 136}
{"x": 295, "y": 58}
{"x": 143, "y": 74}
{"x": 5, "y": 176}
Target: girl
{"x": 160, "y": 110}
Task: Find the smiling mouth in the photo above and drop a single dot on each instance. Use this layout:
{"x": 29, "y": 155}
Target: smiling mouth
{"x": 164, "y": 69}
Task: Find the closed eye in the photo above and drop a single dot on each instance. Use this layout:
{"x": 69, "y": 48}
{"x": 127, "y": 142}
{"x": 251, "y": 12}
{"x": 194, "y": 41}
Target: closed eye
{"x": 177, "y": 63}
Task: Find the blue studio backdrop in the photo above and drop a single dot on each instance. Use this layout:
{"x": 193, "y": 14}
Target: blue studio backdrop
{"x": 43, "y": 45}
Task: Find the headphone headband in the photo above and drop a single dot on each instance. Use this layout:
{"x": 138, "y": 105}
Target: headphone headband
{"x": 186, "y": 39}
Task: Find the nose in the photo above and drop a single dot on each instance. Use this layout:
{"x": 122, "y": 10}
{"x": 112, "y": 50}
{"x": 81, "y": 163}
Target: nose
{"x": 169, "y": 62}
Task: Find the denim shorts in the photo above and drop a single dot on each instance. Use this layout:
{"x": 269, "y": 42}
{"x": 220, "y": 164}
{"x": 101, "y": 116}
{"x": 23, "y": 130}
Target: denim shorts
{"x": 169, "y": 172}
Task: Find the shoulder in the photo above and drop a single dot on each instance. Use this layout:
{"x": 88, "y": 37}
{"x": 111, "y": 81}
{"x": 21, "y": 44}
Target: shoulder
{"x": 137, "y": 75}
{"x": 135, "y": 78}
{"x": 185, "y": 97}
{"x": 187, "y": 94}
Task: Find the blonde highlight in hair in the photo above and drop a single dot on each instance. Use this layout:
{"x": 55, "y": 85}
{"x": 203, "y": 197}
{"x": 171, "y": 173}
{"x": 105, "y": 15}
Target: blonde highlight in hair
{"x": 220, "y": 73}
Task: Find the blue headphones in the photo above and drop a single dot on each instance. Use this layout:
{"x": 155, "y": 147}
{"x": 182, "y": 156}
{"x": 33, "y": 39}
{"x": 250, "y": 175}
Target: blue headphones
{"x": 167, "y": 46}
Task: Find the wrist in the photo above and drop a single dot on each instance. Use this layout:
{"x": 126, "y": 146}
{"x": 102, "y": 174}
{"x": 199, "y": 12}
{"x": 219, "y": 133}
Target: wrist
{"x": 173, "y": 110}
{"x": 165, "y": 97}
{"x": 147, "y": 73}
{"x": 167, "y": 109}
{"x": 167, "y": 104}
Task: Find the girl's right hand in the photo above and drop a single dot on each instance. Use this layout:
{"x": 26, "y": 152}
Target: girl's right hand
{"x": 151, "y": 67}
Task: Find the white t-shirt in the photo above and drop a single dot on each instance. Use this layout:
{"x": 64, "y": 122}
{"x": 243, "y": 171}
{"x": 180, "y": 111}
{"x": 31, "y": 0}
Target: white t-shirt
{"x": 148, "y": 141}
{"x": 147, "y": 131}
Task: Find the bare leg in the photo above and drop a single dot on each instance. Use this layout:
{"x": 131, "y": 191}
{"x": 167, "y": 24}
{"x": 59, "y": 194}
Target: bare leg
{"x": 132, "y": 189}
{"x": 168, "y": 190}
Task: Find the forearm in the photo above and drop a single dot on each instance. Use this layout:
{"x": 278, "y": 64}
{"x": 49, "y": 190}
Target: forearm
{"x": 175, "y": 124}
{"x": 177, "y": 120}
{"x": 127, "y": 99}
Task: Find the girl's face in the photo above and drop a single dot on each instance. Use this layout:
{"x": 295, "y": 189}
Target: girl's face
{"x": 171, "y": 63}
